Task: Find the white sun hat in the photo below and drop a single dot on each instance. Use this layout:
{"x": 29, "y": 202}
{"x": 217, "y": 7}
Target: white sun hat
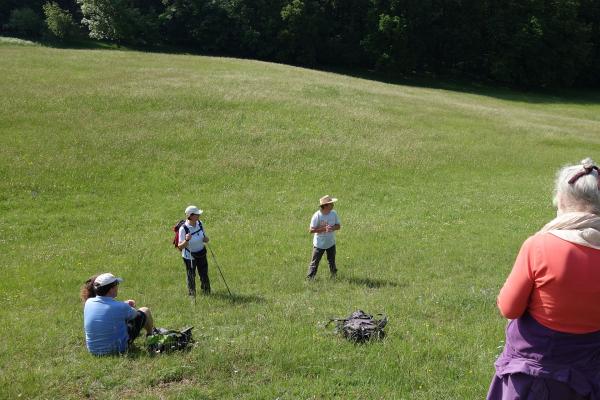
{"x": 192, "y": 210}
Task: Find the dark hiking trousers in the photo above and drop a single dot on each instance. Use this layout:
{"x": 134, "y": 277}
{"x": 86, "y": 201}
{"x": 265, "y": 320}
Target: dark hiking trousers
{"x": 200, "y": 263}
{"x": 316, "y": 259}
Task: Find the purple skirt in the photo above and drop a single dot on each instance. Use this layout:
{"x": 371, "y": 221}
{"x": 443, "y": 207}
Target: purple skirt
{"x": 539, "y": 363}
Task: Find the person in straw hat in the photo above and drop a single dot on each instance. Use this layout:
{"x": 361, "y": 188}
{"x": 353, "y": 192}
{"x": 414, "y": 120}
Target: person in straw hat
{"x": 323, "y": 225}
{"x": 193, "y": 251}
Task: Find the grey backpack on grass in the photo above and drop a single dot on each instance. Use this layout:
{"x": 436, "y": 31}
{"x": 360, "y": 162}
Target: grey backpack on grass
{"x": 361, "y": 327}
{"x": 166, "y": 340}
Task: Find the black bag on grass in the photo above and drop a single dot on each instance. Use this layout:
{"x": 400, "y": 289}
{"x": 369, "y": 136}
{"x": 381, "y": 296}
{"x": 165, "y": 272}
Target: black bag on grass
{"x": 361, "y": 327}
{"x": 166, "y": 340}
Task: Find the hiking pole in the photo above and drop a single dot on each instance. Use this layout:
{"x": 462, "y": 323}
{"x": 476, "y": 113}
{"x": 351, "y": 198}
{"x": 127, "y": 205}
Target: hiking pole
{"x": 192, "y": 267}
{"x": 219, "y": 268}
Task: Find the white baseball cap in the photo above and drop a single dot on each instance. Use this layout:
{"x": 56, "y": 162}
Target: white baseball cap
{"x": 106, "y": 279}
{"x": 192, "y": 210}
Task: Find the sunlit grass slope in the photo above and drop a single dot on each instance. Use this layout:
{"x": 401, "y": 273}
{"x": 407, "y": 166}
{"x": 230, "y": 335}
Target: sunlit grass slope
{"x": 100, "y": 152}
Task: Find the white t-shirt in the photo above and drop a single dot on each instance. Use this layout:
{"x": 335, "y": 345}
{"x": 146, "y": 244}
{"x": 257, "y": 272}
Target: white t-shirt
{"x": 196, "y": 242}
{"x": 326, "y": 239}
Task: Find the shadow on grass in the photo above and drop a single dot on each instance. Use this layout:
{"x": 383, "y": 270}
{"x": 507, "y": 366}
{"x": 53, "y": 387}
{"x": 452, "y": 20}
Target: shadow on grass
{"x": 134, "y": 351}
{"x": 479, "y": 87}
{"x": 237, "y": 298}
{"x": 138, "y": 350}
{"x": 372, "y": 283}
{"x": 82, "y": 44}
{"x": 89, "y": 44}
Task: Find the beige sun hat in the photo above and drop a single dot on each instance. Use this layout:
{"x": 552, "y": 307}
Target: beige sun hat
{"x": 327, "y": 199}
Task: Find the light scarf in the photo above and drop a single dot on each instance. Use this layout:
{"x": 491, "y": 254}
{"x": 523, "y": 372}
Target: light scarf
{"x": 576, "y": 227}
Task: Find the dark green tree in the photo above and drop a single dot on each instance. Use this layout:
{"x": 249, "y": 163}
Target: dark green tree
{"x": 539, "y": 42}
{"x": 301, "y": 31}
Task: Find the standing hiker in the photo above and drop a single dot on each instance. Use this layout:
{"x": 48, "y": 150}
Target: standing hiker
{"x": 552, "y": 347}
{"x": 110, "y": 325}
{"x": 191, "y": 243}
{"x": 323, "y": 225}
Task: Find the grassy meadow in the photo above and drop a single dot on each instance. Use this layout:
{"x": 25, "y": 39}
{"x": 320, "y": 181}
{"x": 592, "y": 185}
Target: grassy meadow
{"x": 101, "y": 151}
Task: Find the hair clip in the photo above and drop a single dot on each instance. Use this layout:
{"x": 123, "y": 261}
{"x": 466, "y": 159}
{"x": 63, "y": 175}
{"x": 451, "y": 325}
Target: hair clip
{"x": 587, "y": 169}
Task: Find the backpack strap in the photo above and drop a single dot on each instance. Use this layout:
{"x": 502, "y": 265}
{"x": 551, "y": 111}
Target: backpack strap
{"x": 200, "y": 229}
{"x": 186, "y": 230}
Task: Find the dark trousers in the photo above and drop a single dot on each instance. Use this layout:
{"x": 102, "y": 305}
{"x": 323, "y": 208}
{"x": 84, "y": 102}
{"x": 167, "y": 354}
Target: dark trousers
{"x": 200, "y": 263}
{"x": 316, "y": 259}
{"x": 134, "y": 326}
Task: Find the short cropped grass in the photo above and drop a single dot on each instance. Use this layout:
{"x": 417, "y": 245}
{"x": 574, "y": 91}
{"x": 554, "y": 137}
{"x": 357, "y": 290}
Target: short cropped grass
{"x": 101, "y": 150}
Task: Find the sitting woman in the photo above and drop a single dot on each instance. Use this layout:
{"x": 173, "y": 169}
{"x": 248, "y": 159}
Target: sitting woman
{"x": 110, "y": 325}
{"x": 552, "y": 297}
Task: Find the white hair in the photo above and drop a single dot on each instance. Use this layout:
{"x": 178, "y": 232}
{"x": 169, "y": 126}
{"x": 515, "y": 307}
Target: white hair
{"x": 581, "y": 195}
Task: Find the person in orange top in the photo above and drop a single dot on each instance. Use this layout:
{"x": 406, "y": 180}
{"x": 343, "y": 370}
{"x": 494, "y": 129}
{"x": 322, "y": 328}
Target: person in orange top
{"x": 557, "y": 283}
{"x": 552, "y": 297}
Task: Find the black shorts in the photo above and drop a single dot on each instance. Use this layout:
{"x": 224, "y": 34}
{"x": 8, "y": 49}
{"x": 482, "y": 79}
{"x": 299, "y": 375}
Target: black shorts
{"x": 134, "y": 326}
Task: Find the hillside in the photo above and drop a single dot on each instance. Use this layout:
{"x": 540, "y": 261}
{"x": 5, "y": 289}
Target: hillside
{"x": 101, "y": 151}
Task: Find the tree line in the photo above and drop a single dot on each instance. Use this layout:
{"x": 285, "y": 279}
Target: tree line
{"x": 532, "y": 43}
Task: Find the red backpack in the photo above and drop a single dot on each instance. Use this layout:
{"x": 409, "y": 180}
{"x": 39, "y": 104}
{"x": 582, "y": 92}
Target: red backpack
{"x": 176, "y": 230}
{"x": 187, "y": 230}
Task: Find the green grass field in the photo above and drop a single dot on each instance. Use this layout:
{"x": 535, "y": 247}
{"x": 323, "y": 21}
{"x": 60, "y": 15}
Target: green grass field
{"x": 101, "y": 150}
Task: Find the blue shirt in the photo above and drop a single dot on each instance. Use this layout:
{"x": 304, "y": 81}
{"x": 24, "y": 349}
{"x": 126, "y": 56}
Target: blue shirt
{"x": 105, "y": 323}
{"x": 324, "y": 240}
